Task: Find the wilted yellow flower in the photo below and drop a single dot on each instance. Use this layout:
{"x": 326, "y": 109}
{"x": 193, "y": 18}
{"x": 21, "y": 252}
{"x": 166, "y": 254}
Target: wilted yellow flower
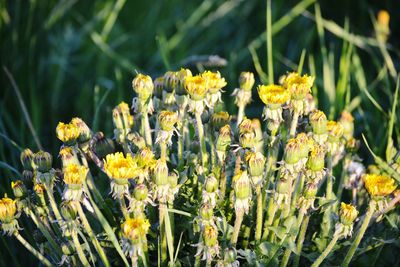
{"x": 135, "y": 229}
{"x": 214, "y": 81}
{"x": 196, "y": 87}
{"x": 246, "y": 81}
{"x": 75, "y": 174}
{"x": 143, "y": 86}
{"x": 167, "y": 120}
{"x": 67, "y": 132}
{"x": 119, "y": 167}
{"x": 298, "y": 85}
{"x": 210, "y": 235}
{"x": 379, "y": 185}
{"x": 8, "y": 209}
{"x": 273, "y": 94}
{"x": 348, "y": 213}
{"x": 335, "y": 129}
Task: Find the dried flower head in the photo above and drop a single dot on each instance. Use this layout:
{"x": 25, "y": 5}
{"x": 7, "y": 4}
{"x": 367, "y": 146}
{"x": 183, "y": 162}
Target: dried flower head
{"x": 67, "y": 132}
{"x": 273, "y": 94}
{"x": 167, "y": 120}
{"x": 119, "y": 167}
{"x": 74, "y": 174}
{"x": 379, "y": 185}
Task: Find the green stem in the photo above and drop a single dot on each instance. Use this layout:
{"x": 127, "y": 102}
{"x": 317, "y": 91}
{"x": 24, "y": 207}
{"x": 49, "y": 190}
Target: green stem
{"x": 300, "y": 240}
{"x": 79, "y": 249}
{"x": 268, "y": 33}
{"x": 240, "y": 115}
{"x": 327, "y": 220}
{"x": 92, "y": 236}
{"x": 124, "y": 210}
{"x": 236, "y": 228}
{"x": 163, "y": 236}
{"x": 272, "y": 208}
{"x": 202, "y": 141}
{"x": 360, "y": 234}
{"x": 53, "y": 204}
{"x": 293, "y": 125}
{"x": 259, "y": 214}
{"x": 146, "y": 126}
{"x": 32, "y": 250}
{"x": 326, "y": 252}
{"x": 288, "y": 251}
{"x": 163, "y": 147}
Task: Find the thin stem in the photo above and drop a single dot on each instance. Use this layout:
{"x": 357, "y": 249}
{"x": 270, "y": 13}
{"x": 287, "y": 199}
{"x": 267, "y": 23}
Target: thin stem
{"x": 53, "y": 204}
{"x": 163, "y": 147}
{"x": 92, "y": 236}
{"x": 360, "y": 234}
{"x": 272, "y": 208}
{"x": 32, "y": 250}
{"x": 326, "y": 252}
{"x": 146, "y": 126}
{"x": 300, "y": 240}
{"x": 123, "y": 207}
{"x": 327, "y": 220}
{"x": 293, "y": 125}
{"x": 240, "y": 115}
{"x": 163, "y": 236}
{"x": 236, "y": 228}
{"x": 259, "y": 220}
{"x": 79, "y": 249}
{"x": 268, "y": 33}
{"x": 200, "y": 130}
{"x": 288, "y": 251}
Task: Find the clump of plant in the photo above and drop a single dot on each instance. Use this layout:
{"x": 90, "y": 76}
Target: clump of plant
{"x": 183, "y": 182}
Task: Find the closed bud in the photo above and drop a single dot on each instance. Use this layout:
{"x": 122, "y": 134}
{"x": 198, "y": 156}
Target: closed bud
{"x": 67, "y": 249}
{"x": 310, "y": 190}
{"x": 316, "y": 159}
{"x": 206, "y": 212}
{"x": 210, "y": 236}
{"x": 160, "y": 173}
{"x": 122, "y": 118}
{"x": 304, "y": 143}
{"x": 347, "y": 121}
{"x": 173, "y": 179}
{"x": 256, "y": 163}
{"x": 219, "y": 119}
{"x": 68, "y": 210}
{"x": 43, "y": 161}
{"x": 167, "y": 120}
{"x": 68, "y": 156}
{"x": 182, "y": 75}
{"x": 335, "y": 130}
{"x": 293, "y": 151}
{"x": 143, "y": 86}
{"x": 26, "y": 159}
{"x": 211, "y": 184}
{"x": 230, "y": 256}
{"x": 241, "y": 185}
{"x": 246, "y": 81}
{"x": 140, "y": 192}
{"x": 84, "y": 131}
{"x": 318, "y": 122}
{"x": 347, "y": 213}
{"x": 19, "y": 189}
{"x": 39, "y": 189}
{"x": 27, "y": 177}
{"x": 171, "y": 81}
{"x": 224, "y": 138}
{"x": 158, "y": 86}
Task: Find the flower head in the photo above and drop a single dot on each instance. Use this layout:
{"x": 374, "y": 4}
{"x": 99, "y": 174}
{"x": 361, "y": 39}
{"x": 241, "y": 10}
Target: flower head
{"x": 122, "y": 118}
{"x": 316, "y": 159}
{"x": 43, "y": 161}
{"x": 318, "y": 122}
{"x": 246, "y": 81}
{"x": 135, "y": 229}
{"x": 143, "y": 86}
{"x": 335, "y": 129}
{"x": 273, "y": 94}
{"x": 67, "y": 132}
{"x": 119, "y": 167}
{"x": 210, "y": 235}
{"x": 167, "y": 120}
{"x": 255, "y": 162}
{"x": 348, "y": 213}
{"x": 379, "y": 185}
{"x": 84, "y": 130}
{"x": 8, "y": 208}
{"x": 75, "y": 174}
{"x": 298, "y": 85}
{"x": 214, "y": 81}
{"x": 196, "y": 86}
{"x": 220, "y": 119}
{"x": 18, "y": 188}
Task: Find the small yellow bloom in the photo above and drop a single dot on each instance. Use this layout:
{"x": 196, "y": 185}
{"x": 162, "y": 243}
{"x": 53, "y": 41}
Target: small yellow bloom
{"x": 298, "y": 85}
{"x": 167, "y": 120}
{"x": 135, "y": 229}
{"x": 196, "y": 87}
{"x": 8, "y": 208}
{"x": 383, "y": 18}
{"x": 39, "y": 189}
{"x": 335, "y": 129}
{"x": 67, "y": 132}
{"x": 273, "y": 94}
{"x": 143, "y": 86}
{"x": 214, "y": 81}
{"x": 119, "y": 167}
{"x": 379, "y": 185}
{"x": 348, "y": 213}
{"x": 75, "y": 174}
{"x": 210, "y": 235}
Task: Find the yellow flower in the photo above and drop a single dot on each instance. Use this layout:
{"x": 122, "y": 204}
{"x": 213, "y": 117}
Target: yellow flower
{"x": 39, "y": 189}
{"x": 75, "y": 174}
{"x": 67, "y": 132}
{"x": 348, "y": 213}
{"x": 210, "y": 235}
{"x": 383, "y": 18}
{"x": 335, "y": 129}
{"x": 273, "y": 94}
{"x": 135, "y": 229}
{"x": 145, "y": 158}
{"x": 7, "y": 209}
{"x": 298, "y": 85}
{"x": 196, "y": 87}
{"x": 214, "y": 81}
{"x": 167, "y": 120}
{"x": 379, "y": 185}
{"x": 84, "y": 130}
{"x": 143, "y": 86}
{"x": 119, "y": 167}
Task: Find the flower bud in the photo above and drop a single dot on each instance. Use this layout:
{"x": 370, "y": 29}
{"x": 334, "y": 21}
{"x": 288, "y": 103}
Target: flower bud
{"x": 160, "y": 173}
{"x": 230, "y": 256}
{"x": 143, "y": 86}
{"x": 68, "y": 156}
{"x": 304, "y": 143}
{"x": 182, "y": 75}
{"x": 68, "y": 210}
{"x": 167, "y": 120}
{"x": 293, "y": 151}
{"x": 171, "y": 81}
{"x": 145, "y": 158}
{"x": 27, "y": 178}
{"x": 67, "y": 132}
{"x": 347, "y": 121}
{"x": 8, "y": 208}
{"x": 122, "y": 118}
{"x": 316, "y": 159}
{"x": 43, "y": 161}
{"x": 26, "y": 159}
{"x": 335, "y": 130}
{"x": 19, "y": 189}
{"x": 347, "y": 213}
{"x": 67, "y": 249}
{"x": 140, "y": 192}
{"x": 310, "y": 190}
{"x": 173, "y": 179}
{"x": 256, "y": 163}
{"x": 84, "y": 131}
{"x": 219, "y": 120}
{"x": 158, "y": 86}
{"x": 214, "y": 81}
{"x": 241, "y": 185}
{"x": 246, "y": 81}
{"x": 382, "y": 26}
{"x": 206, "y": 212}
{"x": 39, "y": 189}
{"x": 196, "y": 87}
{"x": 318, "y": 122}
{"x": 211, "y": 184}
{"x": 210, "y": 236}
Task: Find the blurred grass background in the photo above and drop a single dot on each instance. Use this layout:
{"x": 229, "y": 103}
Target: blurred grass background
{"x": 66, "y": 58}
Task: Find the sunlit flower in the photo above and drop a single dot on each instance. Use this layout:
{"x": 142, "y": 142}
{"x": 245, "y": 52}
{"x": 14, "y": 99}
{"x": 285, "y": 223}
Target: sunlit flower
{"x": 122, "y": 118}
{"x": 143, "y": 86}
{"x": 196, "y": 86}
{"x": 8, "y": 208}
{"x": 67, "y": 132}
{"x": 335, "y": 129}
{"x": 379, "y": 185}
{"x": 347, "y": 213}
{"x": 273, "y": 94}
{"x": 75, "y": 174}
{"x": 119, "y": 167}
{"x": 298, "y": 85}
{"x": 84, "y": 131}
{"x": 135, "y": 229}
{"x": 167, "y": 120}
{"x": 214, "y": 81}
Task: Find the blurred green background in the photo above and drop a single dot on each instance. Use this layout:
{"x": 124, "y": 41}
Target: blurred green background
{"x": 61, "y": 59}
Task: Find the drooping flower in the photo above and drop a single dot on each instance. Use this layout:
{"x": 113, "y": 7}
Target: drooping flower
{"x": 379, "y": 185}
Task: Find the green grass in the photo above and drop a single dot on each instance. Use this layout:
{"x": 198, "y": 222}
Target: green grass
{"x": 77, "y": 58}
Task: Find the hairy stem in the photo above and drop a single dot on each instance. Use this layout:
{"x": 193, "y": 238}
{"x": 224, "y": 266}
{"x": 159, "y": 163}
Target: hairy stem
{"x": 32, "y": 250}
{"x": 236, "y": 228}
{"x": 326, "y": 252}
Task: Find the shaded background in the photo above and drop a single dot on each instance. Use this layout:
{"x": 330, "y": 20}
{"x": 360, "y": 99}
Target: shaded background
{"x": 77, "y": 58}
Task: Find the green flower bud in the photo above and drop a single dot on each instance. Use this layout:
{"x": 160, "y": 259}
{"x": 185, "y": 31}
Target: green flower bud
{"x": 304, "y": 143}
{"x": 316, "y": 159}
{"x": 318, "y": 122}
{"x": 220, "y": 119}
{"x": 67, "y": 249}
{"x": 206, "y": 212}
{"x": 171, "y": 81}
{"x": 182, "y": 75}
{"x": 347, "y": 121}
{"x": 173, "y": 179}
{"x": 19, "y": 189}
{"x": 43, "y": 161}
{"x": 122, "y": 118}
{"x": 167, "y": 120}
{"x": 293, "y": 151}
{"x": 335, "y": 130}
{"x": 230, "y": 255}
{"x": 160, "y": 173}
{"x": 246, "y": 81}
{"x": 143, "y": 86}
{"x": 158, "y": 86}
{"x": 224, "y": 138}
{"x": 310, "y": 190}
{"x": 211, "y": 184}
{"x": 84, "y": 131}
{"x": 140, "y": 192}
{"x": 68, "y": 210}
{"x": 241, "y": 185}
{"x": 256, "y": 163}
{"x": 26, "y": 159}
{"x": 27, "y": 178}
